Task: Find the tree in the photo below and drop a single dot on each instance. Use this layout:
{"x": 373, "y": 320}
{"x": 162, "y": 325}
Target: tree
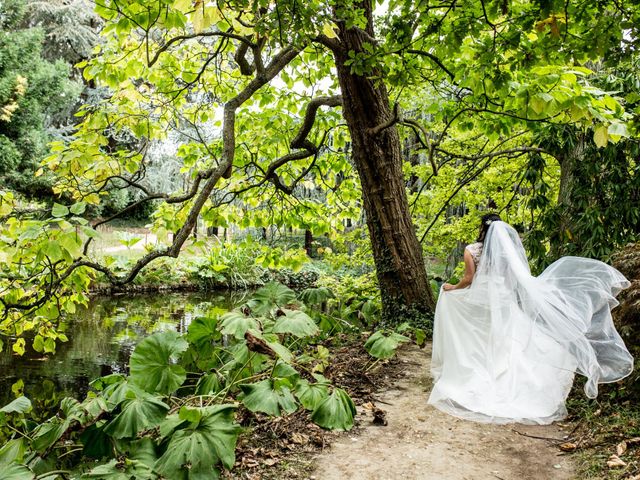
{"x": 32, "y": 92}
{"x": 491, "y": 71}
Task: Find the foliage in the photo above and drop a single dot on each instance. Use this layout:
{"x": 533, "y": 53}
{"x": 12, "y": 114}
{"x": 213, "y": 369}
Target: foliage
{"x": 383, "y": 345}
{"x": 32, "y": 92}
{"x": 126, "y": 422}
{"x": 604, "y": 427}
{"x": 71, "y": 28}
{"x": 242, "y": 97}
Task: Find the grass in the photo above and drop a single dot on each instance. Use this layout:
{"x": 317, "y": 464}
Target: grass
{"x": 607, "y": 426}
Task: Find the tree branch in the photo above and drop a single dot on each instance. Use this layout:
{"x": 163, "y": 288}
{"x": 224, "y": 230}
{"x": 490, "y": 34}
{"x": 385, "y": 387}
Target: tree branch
{"x": 212, "y": 176}
{"x": 180, "y": 38}
{"x": 434, "y": 59}
{"x": 395, "y": 118}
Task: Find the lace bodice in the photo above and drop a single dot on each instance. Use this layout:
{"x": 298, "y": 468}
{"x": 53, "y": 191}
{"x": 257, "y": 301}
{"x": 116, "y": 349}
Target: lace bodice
{"x": 475, "y": 249}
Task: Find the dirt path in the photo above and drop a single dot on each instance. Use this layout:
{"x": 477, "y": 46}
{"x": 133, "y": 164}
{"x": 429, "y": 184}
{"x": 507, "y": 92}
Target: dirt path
{"x": 420, "y": 442}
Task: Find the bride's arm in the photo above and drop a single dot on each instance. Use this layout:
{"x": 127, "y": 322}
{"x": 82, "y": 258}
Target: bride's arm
{"x": 469, "y": 272}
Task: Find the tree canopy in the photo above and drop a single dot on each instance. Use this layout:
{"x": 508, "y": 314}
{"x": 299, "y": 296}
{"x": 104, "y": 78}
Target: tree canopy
{"x": 298, "y": 114}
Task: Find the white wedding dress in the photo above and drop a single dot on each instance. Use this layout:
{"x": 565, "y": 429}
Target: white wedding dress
{"x": 506, "y": 348}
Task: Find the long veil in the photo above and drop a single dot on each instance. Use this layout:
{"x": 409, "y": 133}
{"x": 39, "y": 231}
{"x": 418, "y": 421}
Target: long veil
{"x": 570, "y": 301}
{"x": 507, "y": 347}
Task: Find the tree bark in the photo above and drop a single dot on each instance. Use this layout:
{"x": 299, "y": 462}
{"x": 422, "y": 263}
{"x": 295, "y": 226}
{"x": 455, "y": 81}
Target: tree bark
{"x": 569, "y": 159}
{"x": 377, "y": 155}
{"x": 308, "y": 242}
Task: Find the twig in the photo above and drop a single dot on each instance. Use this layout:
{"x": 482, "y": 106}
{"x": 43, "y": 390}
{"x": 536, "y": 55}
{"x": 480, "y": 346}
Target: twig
{"x": 559, "y": 440}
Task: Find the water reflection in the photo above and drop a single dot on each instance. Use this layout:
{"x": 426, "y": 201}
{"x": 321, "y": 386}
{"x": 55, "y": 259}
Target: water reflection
{"x": 101, "y": 339}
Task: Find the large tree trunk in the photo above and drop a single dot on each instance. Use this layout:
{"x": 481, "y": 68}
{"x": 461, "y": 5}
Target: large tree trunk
{"x": 377, "y": 156}
{"x": 569, "y": 159}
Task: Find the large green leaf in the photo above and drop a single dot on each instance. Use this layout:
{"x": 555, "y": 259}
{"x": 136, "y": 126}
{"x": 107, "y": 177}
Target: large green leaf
{"x": 384, "y": 346}
{"x": 15, "y": 471}
{"x": 139, "y": 413}
{"x": 97, "y": 444}
{"x": 19, "y": 405}
{"x": 237, "y": 323}
{"x": 208, "y": 384}
{"x": 47, "y": 434}
{"x": 269, "y": 396}
{"x": 203, "y": 330}
{"x": 316, "y": 296}
{"x": 59, "y": 210}
{"x": 272, "y": 295}
{"x": 13, "y": 451}
{"x": 273, "y": 341}
{"x": 336, "y": 412}
{"x": 195, "y": 452}
{"x": 121, "y": 470}
{"x": 153, "y": 362}
{"x": 114, "y": 389}
{"x": 142, "y": 450}
{"x": 296, "y": 323}
{"x": 311, "y": 395}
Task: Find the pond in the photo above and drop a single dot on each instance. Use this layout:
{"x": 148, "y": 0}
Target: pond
{"x": 101, "y": 339}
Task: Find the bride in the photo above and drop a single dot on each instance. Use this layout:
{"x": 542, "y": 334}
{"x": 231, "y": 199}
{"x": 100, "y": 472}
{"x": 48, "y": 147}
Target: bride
{"x": 506, "y": 344}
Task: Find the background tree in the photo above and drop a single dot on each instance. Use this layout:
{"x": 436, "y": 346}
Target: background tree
{"x": 33, "y": 91}
{"x": 261, "y": 75}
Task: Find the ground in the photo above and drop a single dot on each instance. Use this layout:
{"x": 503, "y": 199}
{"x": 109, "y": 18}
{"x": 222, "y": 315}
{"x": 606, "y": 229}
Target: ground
{"x": 420, "y": 442}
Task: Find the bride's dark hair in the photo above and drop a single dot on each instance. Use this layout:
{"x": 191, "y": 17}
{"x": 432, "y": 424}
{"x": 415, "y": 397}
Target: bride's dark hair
{"x": 485, "y": 222}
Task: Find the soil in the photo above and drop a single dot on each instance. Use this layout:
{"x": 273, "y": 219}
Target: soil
{"x": 420, "y": 442}
{"x": 417, "y": 442}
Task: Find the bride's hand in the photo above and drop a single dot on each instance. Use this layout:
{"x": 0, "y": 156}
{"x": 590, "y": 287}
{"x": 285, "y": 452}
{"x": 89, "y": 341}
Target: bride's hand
{"x": 447, "y": 286}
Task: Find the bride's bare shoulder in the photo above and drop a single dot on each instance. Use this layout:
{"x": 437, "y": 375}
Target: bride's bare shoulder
{"x": 474, "y": 247}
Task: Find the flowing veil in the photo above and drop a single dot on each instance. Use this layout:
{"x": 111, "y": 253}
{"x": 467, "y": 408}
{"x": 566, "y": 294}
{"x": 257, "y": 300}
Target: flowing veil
{"x": 506, "y": 348}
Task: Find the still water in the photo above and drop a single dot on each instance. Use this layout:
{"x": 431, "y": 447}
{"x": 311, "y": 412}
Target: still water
{"x": 101, "y": 339}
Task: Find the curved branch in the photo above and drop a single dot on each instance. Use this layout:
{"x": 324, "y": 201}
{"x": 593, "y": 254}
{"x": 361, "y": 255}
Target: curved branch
{"x": 180, "y": 38}
{"x": 395, "y": 118}
{"x": 332, "y": 44}
{"x": 280, "y": 60}
{"x": 434, "y": 59}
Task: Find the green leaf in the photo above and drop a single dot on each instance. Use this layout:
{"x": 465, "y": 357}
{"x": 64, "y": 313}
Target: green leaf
{"x": 170, "y": 424}
{"x": 137, "y": 414}
{"x": 47, "y": 434}
{"x": 295, "y": 322}
{"x": 268, "y": 397}
{"x": 284, "y": 370}
{"x": 97, "y": 444}
{"x": 121, "y": 470}
{"x": 13, "y": 451}
{"x": 142, "y": 450}
{"x": 316, "y": 296}
{"x": 78, "y": 208}
{"x": 336, "y": 412}
{"x": 384, "y": 346}
{"x": 194, "y": 452}
{"x": 601, "y": 136}
{"x": 237, "y": 323}
{"x": 272, "y": 295}
{"x": 311, "y": 395}
{"x": 15, "y": 471}
{"x": 203, "y": 330}
{"x": 153, "y": 362}
{"x": 59, "y": 210}
{"x": 618, "y": 129}
{"x": 19, "y": 405}
{"x": 208, "y": 384}
{"x": 190, "y": 414}
{"x": 18, "y": 346}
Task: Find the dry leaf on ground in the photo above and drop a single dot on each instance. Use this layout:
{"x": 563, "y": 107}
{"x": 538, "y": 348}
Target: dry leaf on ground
{"x": 568, "y": 446}
{"x": 615, "y": 462}
{"x": 621, "y": 448}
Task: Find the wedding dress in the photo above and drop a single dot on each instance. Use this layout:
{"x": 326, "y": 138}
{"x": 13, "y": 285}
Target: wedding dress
{"x": 506, "y": 348}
